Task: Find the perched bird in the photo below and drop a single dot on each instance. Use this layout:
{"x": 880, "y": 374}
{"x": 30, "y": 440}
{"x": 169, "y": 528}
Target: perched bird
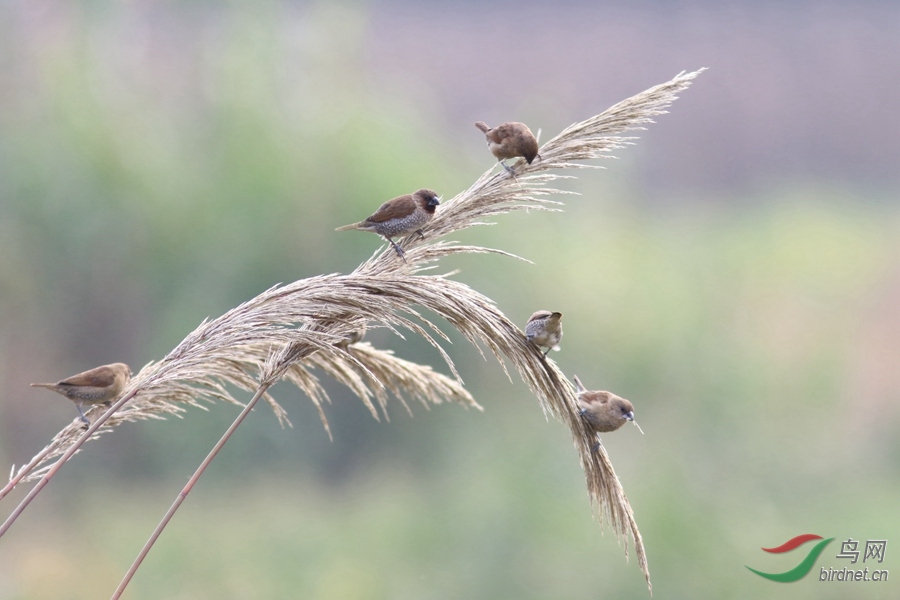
{"x": 402, "y": 215}
{"x": 509, "y": 141}
{"x": 544, "y": 330}
{"x": 96, "y": 386}
{"x": 603, "y": 411}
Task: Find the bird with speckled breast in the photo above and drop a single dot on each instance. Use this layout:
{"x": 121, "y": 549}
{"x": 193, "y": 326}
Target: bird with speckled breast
{"x": 544, "y": 330}
{"x": 400, "y": 216}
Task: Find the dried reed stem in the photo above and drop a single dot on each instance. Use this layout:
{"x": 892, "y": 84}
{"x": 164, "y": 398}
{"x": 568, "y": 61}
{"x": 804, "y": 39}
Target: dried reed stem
{"x": 187, "y": 490}
{"x": 289, "y": 329}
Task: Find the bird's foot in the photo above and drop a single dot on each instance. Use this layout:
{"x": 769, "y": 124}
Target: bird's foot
{"x": 509, "y": 170}
{"x": 421, "y": 235}
{"x": 595, "y": 447}
{"x": 398, "y": 250}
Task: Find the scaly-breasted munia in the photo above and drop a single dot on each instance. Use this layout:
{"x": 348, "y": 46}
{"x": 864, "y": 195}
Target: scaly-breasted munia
{"x": 96, "y": 386}
{"x": 603, "y": 411}
{"x": 402, "y": 215}
{"x": 509, "y": 141}
{"x": 544, "y": 330}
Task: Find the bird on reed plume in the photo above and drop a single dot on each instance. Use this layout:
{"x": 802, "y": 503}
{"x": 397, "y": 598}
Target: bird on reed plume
{"x": 96, "y": 386}
{"x": 603, "y": 411}
{"x": 402, "y": 215}
{"x": 544, "y": 330}
{"x": 509, "y": 141}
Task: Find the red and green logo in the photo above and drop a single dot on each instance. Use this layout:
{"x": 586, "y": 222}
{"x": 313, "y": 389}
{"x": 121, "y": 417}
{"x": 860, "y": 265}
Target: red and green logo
{"x": 805, "y": 566}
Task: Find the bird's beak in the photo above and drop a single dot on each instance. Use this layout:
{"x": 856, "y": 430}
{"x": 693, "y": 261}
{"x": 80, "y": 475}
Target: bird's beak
{"x": 629, "y": 416}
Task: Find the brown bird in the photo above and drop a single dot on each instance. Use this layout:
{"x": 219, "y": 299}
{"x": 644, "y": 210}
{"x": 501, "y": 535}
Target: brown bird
{"x": 509, "y": 141}
{"x": 402, "y": 215}
{"x": 96, "y": 386}
{"x": 544, "y": 330}
{"x": 603, "y": 411}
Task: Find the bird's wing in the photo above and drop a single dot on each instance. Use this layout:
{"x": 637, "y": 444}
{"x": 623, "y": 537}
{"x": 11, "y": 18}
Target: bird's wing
{"x": 507, "y": 130}
{"x": 498, "y": 134}
{"x": 397, "y": 208}
{"x": 592, "y": 397}
{"x": 98, "y": 377}
{"x": 541, "y": 314}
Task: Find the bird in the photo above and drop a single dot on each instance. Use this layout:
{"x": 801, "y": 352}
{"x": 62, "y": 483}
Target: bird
{"x": 402, "y": 215}
{"x": 544, "y": 330}
{"x": 603, "y": 411}
{"x": 509, "y": 141}
{"x": 96, "y": 386}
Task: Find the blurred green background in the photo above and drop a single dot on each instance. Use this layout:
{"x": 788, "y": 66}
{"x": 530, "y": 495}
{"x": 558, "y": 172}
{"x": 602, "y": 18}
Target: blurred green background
{"x": 736, "y": 274}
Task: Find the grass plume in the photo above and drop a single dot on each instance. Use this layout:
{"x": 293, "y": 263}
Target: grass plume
{"x": 291, "y": 331}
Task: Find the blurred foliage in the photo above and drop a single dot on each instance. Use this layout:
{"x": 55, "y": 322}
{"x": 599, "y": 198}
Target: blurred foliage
{"x": 156, "y": 170}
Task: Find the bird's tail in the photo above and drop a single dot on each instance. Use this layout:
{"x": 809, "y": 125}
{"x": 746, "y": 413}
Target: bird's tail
{"x": 348, "y": 227}
{"x": 578, "y": 384}
{"x": 482, "y": 126}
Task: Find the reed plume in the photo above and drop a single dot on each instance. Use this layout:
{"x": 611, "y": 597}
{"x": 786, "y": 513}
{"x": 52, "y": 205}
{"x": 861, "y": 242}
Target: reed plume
{"x": 293, "y": 331}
